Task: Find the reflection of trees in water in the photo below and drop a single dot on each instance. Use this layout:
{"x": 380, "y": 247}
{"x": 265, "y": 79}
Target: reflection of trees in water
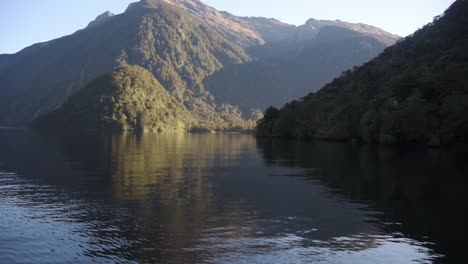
{"x": 161, "y": 198}
{"x": 166, "y": 180}
{"x": 423, "y": 190}
{"x": 141, "y": 197}
{"x": 170, "y": 161}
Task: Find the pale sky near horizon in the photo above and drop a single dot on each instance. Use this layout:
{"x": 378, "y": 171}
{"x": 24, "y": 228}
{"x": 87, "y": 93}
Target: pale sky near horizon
{"x": 25, "y": 22}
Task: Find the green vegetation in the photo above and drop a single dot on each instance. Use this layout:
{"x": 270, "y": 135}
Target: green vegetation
{"x": 181, "y": 50}
{"x": 219, "y": 66}
{"x": 290, "y": 70}
{"x": 128, "y": 99}
{"x": 415, "y": 92}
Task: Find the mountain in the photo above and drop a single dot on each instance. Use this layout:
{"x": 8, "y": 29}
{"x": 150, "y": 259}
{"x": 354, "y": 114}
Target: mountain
{"x": 101, "y": 18}
{"x": 213, "y": 62}
{"x": 303, "y": 68}
{"x": 129, "y": 99}
{"x": 221, "y": 22}
{"x": 415, "y": 92}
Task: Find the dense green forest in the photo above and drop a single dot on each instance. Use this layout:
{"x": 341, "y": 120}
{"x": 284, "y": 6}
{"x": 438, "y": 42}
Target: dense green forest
{"x": 129, "y": 99}
{"x": 219, "y": 66}
{"x": 415, "y": 92}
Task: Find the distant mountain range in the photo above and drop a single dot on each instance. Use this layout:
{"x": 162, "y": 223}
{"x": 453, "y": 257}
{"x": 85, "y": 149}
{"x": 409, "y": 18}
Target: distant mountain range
{"x": 415, "y": 92}
{"x": 223, "y": 68}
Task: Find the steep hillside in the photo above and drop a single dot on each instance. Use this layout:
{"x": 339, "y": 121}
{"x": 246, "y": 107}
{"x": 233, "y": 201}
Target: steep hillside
{"x": 222, "y": 22}
{"x": 128, "y": 99}
{"x": 261, "y": 83}
{"x": 415, "y": 92}
{"x": 177, "y": 47}
{"x": 187, "y": 46}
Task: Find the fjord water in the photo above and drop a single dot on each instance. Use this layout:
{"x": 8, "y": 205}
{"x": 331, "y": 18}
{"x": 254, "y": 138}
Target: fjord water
{"x": 182, "y": 198}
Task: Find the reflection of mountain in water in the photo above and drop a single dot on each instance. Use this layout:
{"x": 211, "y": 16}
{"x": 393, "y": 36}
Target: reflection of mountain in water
{"x": 423, "y": 192}
{"x": 180, "y": 198}
{"x": 166, "y": 179}
{"x": 145, "y": 198}
{"x": 157, "y": 163}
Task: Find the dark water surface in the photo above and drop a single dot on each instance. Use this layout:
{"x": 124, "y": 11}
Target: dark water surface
{"x": 226, "y": 199}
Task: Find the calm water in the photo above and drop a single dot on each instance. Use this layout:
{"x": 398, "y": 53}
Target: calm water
{"x": 226, "y": 199}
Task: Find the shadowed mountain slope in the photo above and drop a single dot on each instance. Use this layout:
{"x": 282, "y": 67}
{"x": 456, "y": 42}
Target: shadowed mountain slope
{"x": 415, "y": 92}
{"x": 190, "y": 48}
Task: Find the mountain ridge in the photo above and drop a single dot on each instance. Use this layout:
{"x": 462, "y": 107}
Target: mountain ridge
{"x": 101, "y": 18}
{"x": 415, "y": 92}
{"x": 182, "y": 50}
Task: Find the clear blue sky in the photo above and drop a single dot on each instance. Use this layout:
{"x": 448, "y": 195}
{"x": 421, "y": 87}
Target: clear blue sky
{"x": 25, "y": 22}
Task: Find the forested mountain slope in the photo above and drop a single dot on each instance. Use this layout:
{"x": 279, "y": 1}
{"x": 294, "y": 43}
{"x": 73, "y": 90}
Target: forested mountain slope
{"x": 200, "y": 55}
{"x": 415, "y": 92}
{"x": 129, "y": 99}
